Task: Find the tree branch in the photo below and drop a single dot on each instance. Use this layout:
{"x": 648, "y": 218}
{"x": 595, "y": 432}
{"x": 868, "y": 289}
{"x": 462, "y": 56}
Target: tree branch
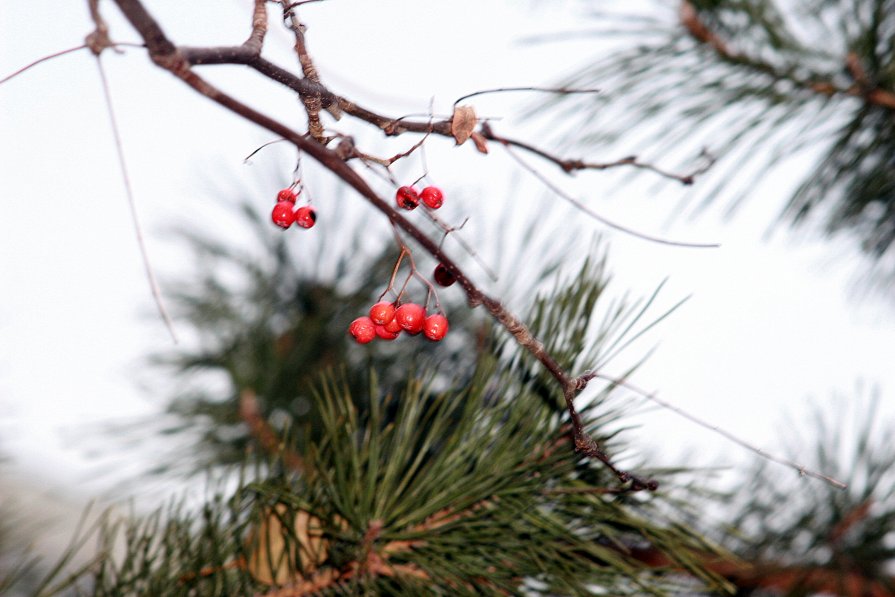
{"x": 166, "y": 55}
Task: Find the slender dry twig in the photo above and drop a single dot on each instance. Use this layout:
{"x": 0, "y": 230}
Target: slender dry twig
{"x": 653, "y": 397}
{"x": 559, "y": 90}
{"x": 132, "y": 204}
{"x": 603, "y": 220}
{"x": 40, "y": 60}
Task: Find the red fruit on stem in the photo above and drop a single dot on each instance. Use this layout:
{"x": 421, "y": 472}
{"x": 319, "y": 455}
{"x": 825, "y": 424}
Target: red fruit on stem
{"x": 383, "y": 333}
{"x": 305, "y": 216}
{"x": 282, "y": 214}
{"x": 363, "y": 329}
{"x": 436, "y": 327}
{"x": 411, "y": 317}
{"x": 393, "y": 327}
{"x": 407, "y": 197}
{"x": 382, "y": 313}
{"x": 443, "y": 276}
{"x": 432, "y": 196}
{"x": 287, "y": 195}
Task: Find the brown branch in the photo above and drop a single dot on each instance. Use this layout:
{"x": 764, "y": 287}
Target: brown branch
{"x": 572, "y": 165}
{"x": 871, "y": 94}
{"x": 310, "y": 89}
{"x": 43, "y": 59}
{"x": 154, "y": 288}
{"x": 602, "y": 219}
{"x": 262, "y": 432}
{"x": 769, "y": 576}
{"x": 313, "y": 103}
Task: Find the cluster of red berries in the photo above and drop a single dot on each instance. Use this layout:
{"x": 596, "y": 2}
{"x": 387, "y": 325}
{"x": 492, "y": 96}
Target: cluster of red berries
{"x": 387, "y": 321}
{"x": 284, "y": 213}
{"x": 409, "y": 198}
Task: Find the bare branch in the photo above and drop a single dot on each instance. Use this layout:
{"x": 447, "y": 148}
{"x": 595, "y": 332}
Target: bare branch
{"x": 312, "y": 103}
{"x": 559, "y": 90}
{"x": 652, "y": 396}
{"x": 132, "y": 204}
{"x": 39, "y": 60}
{"x": 571, "y": 165}
{"x": 582, "y": 207}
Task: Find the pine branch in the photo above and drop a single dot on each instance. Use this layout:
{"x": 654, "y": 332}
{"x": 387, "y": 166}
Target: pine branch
{"x": 861, "y": 88}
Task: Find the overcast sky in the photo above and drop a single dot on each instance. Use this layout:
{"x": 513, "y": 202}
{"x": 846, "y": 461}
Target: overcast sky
{"x": 772, "y": 323}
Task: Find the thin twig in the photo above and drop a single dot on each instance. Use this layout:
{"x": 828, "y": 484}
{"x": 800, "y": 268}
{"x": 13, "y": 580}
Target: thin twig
{"x": 132, "y": 204}
{"x": 652, "y": 396}
{"x": 44, "y": 59}
{"x": 559, "y": 90}
{"x": 580, "y": 206}
{"x": 572, "y": 165}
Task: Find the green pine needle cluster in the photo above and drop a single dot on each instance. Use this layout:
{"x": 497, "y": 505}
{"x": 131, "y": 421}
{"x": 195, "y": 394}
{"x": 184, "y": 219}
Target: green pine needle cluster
{"x": 760, "y": 83}
{"x": 454, "y": 480}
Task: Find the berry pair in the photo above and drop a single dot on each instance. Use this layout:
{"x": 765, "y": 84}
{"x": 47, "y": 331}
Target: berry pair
{"x": 284, "y": 213}
{"x": 387, "y": 322}
{"x": 409, "y": 198}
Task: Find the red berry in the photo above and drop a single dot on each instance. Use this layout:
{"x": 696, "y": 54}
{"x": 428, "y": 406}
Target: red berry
{"x": 432, "y": 196}
{"x": 382, "y": 313}
{"x": 393, "y": 327}
{"x": 282, "y": 214}
{"x": 383, "y": 333}
{"x": 411, "y": 317}
{"x": 436, "y": 327}
{"x": 363, "y": 329}
{"x": 407, "y": 197}
{"x": 305, "y": 216}
{"x": 287, "y": 195}
{"x": 443, "y": 276}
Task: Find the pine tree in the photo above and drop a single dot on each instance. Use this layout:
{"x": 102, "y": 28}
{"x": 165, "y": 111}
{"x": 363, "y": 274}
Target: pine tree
{"x": 454, "y": 477}
{"x": 756, "y": 85}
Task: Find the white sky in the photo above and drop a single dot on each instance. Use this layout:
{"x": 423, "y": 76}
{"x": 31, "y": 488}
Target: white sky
{"x": 771, "y": 323}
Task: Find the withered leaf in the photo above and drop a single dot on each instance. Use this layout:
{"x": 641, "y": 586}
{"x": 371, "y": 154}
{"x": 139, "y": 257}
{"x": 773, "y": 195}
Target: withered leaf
{"x": 462, "y": 123}
{"x": 480, "y": 143}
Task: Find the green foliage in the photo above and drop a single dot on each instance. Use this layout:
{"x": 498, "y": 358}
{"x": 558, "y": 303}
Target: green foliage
{"x": 457, "y": 480}
{"x": 789, "y": 77}
{"x": 271, "y": 318}
{"x": 474, "y": 490}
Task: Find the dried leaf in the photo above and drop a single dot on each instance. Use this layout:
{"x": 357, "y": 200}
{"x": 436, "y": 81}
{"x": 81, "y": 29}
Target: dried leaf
{"x": 480, "y": 143}
{"x": 462, "y": 123}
